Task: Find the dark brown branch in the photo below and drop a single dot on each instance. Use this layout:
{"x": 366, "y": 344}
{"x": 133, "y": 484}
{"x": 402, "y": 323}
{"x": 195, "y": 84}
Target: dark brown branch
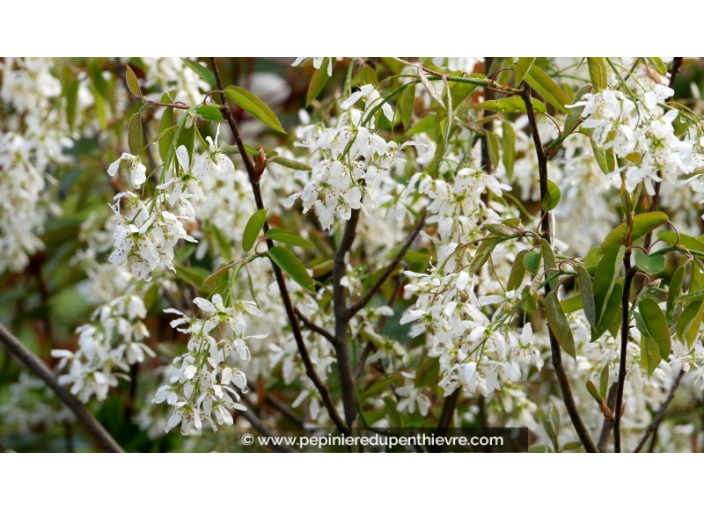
{"x": 448, "y": 410}
{"x": 36, "y": 365}
{"x": 344, "y": 365}
{"x": 625, "y": 328}
{"x": 389, "y": 270}
{"x": 315, "y": 328}
{"x": 278, "y": 274}
{"x": 660, "y": 414}
{"x": 562, "y": 379}
{"x": 608, "y": 425}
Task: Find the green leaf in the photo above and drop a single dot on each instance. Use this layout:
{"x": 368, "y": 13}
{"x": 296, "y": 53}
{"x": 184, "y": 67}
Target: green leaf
{"x": 210, "y": 112}
{"x": 548, "y": 255}
{"x": 675, "y": 287}
{"x": 191, "y": 275}
{"x": 642, "y": 224}
{"x": 132, "y": 82}
{"x": 251, "y": 230}
{"x": 223, "y": 244}
{"x": 201, "y": 71}
{"x": 499, "y": 229}
{"x": 689, "y": 242}
{"x": 135, "y": 138}
{"x": 317, "y": 82}
{"x": 513, "y": 104}
{"x": 650, "y": 355}
{"x": 406, "y": 104}
{"x": 652, "y": 264}
{"x": 689, "y": 322}
{"x": 286, "y": 237}
{"x": 290, "y": 163}
{"x": 612, "y": 307}
{"x": 218, "y": 276}
{"x": 289, "y": 263}
{"x": 598, "y": 72}
{"x": 591, "y": 388}
{"x": 522, "y": 67}
{"x": 482, "y": 255}
{"x": 604, "y": 380}
{"x": 518, "y": 271}
{"x": 655, "y": 322}
{"x": 166, "y": 130}
{"x": 544, "y": 85}
{"x": 71, "y": 91}
{"x": 605, "y": 278}
{"x": 604, "y": 158}
{"x": 493, "y": 145}
{"x": 508, "y": 148}
{"x": 587, "y": 293}
{"x": 559, "y": 325}
{"x": 531, "y": 261}
{"x": 574, "y": 115}
{"x": 572, "y": 304}
{"x": 380, "y": 385}
{"x": 255, "y": 107}
{"x": 658, "y": 64}
{"x": 552, "y": 198}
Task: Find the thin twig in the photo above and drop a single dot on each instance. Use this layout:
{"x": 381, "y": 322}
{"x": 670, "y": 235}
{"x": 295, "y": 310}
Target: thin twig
{"x": 280, "y": 281}
{"x": 315, "y": 328}
{"x": 36, "y": 365}
{"x": 660, "y": 414}
{"x": 625, "y": 327}
{"x": 562, "y": 379}
{"x": 261, "y": 428}
{"x": 389, "y": 270}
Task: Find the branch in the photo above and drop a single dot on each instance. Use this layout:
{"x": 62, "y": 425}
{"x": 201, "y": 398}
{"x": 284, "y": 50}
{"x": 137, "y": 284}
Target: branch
{"x": 660, "y": 414}
{"x": 342, "y": 319}
{"x": 448, "y": 410}
{"x": 567, "y": 396}
{"x": 389, "y": 270}
{"x": 285, "y": 298}
{"x": 315, "y": 328}
{"x": 625, "y": 305}
{"x": 36, "y": 365}
{"x": 608, "y": 425}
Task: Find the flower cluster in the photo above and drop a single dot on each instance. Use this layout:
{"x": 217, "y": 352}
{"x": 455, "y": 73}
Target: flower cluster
{"x": 201, "y": 384}
{"x": 113, "y": 340}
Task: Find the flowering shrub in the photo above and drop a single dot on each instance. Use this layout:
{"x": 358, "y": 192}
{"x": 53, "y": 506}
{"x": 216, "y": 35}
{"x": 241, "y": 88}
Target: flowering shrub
{"x": 201, "y": 247}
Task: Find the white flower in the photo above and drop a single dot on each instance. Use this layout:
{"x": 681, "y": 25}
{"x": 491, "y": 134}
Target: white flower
{"x": 138, "y": 172}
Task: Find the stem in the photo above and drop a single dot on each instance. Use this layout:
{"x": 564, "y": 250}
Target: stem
{"x": 448, "y": 410}
{"x": 342, "y": 317}
{"x": 278, "y": 274}
{"x": 389, "y": 270}
{"x": 660, "y": 414}
{"x": 36, "y": 365}
{"x": 562, "y": 379}
{"x": 625, "y": 305}
{"x": 608, "y": 424}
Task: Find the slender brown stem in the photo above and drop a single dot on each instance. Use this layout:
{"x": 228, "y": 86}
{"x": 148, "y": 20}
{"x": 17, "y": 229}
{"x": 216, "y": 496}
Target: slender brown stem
{"x": 660, "y": 414}
{"x": 36, "y": 365}
{"x": 448, "y": 410}
{"x": 260, "y": 427}
{"x": 339, "y": 294}
{"x": 608, "y": 425}
{"x": 389, "y": 270}
{"x": 562, "y": 378}
{"x": 278, "y": 274}
{"x": 625, "y": 328}
{"x": 315, "y": 328}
